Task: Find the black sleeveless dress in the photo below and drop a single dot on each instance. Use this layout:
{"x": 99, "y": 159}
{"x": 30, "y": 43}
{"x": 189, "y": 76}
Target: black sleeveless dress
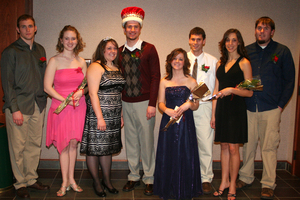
{"x": 101, "y": 143}
{"x": 231, "y": 111}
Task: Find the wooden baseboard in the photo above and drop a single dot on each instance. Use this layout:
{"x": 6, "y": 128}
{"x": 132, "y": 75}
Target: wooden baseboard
{"x": 122, "y": 164}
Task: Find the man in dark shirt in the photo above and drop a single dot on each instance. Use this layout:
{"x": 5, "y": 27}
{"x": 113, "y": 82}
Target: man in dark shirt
{"x": 23, "y": 66}
{"x": 273, "y": 64}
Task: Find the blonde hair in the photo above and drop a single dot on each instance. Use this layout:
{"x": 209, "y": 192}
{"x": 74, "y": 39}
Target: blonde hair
{"x": 80, "y": 45}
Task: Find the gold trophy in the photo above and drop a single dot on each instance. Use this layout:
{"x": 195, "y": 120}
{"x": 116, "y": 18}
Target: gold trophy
{"x": 69, "y": 97}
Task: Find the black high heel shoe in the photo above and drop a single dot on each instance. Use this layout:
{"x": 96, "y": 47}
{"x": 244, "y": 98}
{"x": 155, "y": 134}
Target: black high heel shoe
{"x": 113, "y": 190}
{"x": 219, "y": 193}
{"x": 100, "y": 194}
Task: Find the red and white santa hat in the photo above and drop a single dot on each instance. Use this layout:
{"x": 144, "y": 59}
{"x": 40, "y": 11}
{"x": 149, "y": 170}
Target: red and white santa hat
{"x": 132, "y": 14}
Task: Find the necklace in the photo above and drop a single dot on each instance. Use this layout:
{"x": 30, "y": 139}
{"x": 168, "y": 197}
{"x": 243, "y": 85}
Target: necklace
{"x": 111, "y": 66}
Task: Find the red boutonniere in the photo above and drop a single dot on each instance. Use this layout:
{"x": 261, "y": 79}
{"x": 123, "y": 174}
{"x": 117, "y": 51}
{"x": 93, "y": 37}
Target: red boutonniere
{"x": 205, "y": 68}
{"x": 275, "y": 58}
{"x": 136, "y": 55}
{"x": 43, "y": 60}
{"x": 79, "y": 70}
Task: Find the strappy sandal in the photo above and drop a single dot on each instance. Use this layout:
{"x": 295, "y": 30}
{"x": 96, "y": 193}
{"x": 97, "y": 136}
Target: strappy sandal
{"x": 76, "y": 188}
{"x": 231, "y": 196}
{"x": 61, "y": 193}
{"x": 219, "y": 192}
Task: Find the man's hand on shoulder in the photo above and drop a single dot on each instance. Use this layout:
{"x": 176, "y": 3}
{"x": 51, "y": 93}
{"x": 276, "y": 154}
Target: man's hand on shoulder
{"x": 18, "y": 118}
{"x": 151, "y": 111}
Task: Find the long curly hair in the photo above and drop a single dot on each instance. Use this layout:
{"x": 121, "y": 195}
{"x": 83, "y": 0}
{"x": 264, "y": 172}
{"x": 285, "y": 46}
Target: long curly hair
{"x": 80, "y": 44}
{"x": 241, "y": 47}
{"x": 99, "y": 53}
{"x": 170, "y": 57}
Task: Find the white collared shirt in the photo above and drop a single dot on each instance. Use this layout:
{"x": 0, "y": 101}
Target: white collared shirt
{"x": 209, "y": 77}
{"x": 138, "y": 45}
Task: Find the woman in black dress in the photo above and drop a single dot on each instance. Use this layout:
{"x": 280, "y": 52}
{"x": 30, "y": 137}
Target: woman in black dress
{"x": 102, "y": 131}
{"x": 229, "y": 112}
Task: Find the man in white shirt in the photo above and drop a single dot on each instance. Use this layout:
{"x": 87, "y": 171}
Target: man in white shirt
{"x": 203, "y": 68}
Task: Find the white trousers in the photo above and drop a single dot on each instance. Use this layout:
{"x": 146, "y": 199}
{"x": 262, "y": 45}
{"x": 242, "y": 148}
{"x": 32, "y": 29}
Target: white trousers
{"x": 205, "y": 138}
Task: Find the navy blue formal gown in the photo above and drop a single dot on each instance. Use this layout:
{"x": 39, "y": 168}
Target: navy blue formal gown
{"x": 177, "y": 168}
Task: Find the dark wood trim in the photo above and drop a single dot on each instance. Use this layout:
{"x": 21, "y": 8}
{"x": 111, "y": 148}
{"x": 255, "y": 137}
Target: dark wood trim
{"x": 29, "y": 7}
{"x": 296, "y": 149}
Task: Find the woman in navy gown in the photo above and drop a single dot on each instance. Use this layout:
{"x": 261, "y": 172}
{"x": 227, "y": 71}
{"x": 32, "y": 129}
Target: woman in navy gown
{"x": 229, "y": 112}
{"x": 177, "y": 170}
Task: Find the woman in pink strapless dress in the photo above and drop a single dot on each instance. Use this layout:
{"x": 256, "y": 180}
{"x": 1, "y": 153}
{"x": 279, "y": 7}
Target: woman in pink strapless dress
{"x": 63, "y": 75}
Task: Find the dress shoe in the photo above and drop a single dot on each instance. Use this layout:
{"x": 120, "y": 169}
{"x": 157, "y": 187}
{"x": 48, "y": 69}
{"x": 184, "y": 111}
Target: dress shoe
{"x": 206, "y": 187}
{"x": 100, "y": 194}
{"x": 75, "y": 187}
{"x": 62, "y": 191}
{"x": 130, "y": 185}
{"x": 267, "y": 193}
{"x": 148, "y": 190}
{"x": 231, "y": 196}
{"x": 23, "y": 193}
{"x": 220, "y": 193}
{"x": 241, "y": 184}
{"x": 113, "y": 190}
{"x": 39, "y": 186}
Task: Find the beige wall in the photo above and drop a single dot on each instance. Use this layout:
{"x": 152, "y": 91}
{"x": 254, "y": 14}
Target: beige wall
{"x": 166, "y": 25}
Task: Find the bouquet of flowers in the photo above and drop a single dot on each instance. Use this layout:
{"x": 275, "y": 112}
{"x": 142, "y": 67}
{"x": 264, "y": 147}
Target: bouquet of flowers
{"x": 254, "y": 84}
{"x": 69, "y": 97}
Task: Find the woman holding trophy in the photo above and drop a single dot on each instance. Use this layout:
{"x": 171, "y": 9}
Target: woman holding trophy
{"x": 66, "y": 71}
{"x": 229, "y": 112}
{"x": 177, "y": 170}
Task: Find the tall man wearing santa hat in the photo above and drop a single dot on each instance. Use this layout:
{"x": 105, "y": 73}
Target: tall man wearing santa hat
{"x": 139, "y": 63}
